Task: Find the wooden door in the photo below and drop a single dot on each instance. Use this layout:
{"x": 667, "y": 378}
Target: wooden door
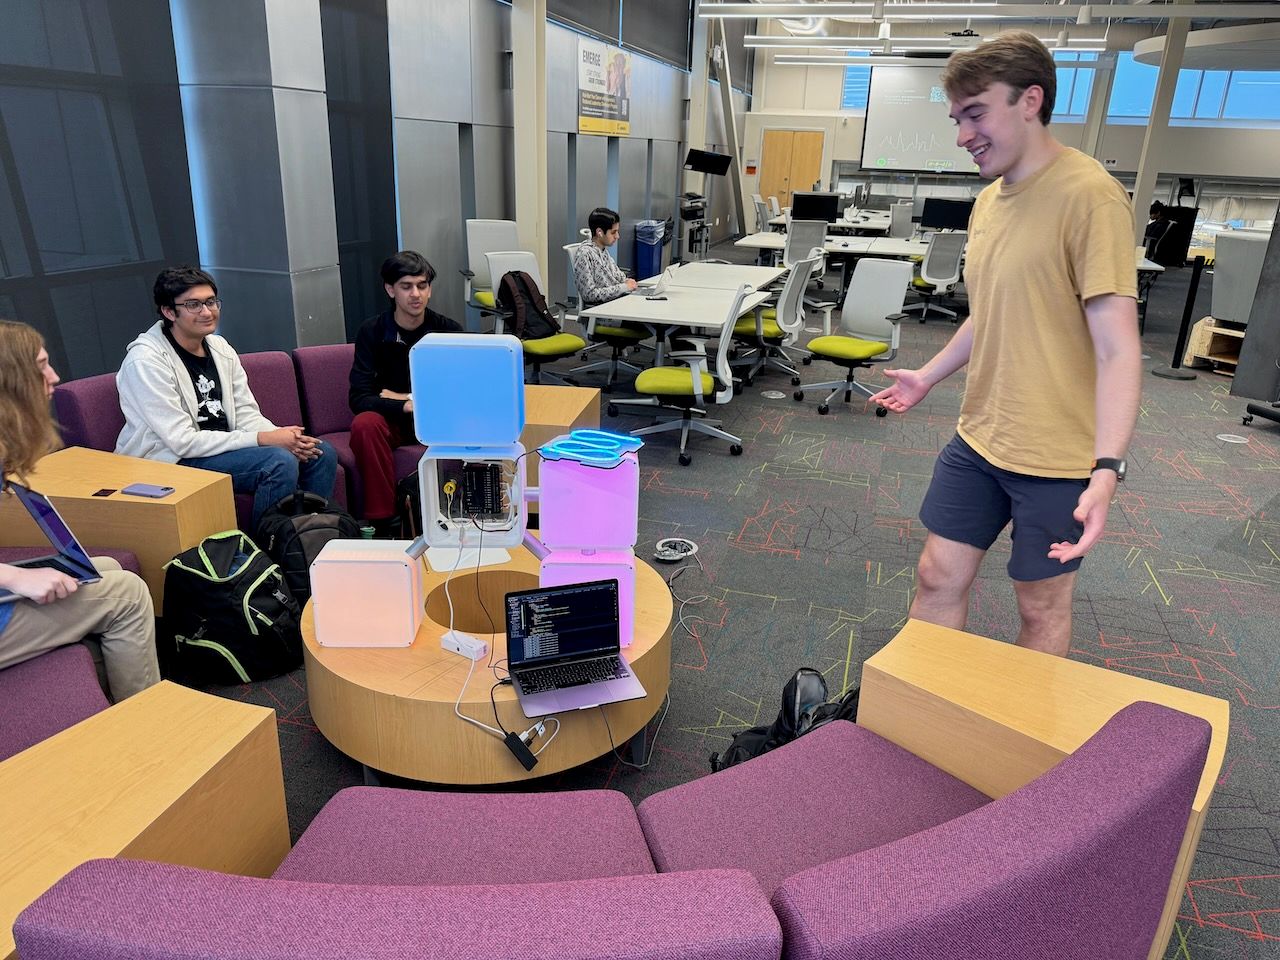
{"x": 806, "y": 159}
{"x": 775, "y": 167}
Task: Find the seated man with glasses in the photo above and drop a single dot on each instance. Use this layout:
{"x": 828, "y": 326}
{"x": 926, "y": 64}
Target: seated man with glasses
{"x": 186, "y": 400}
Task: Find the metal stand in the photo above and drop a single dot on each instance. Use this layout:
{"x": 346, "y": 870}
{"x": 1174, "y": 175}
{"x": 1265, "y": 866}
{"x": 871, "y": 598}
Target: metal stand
{"x": 699, "y": 239}
{"x": 1174, "y": 371}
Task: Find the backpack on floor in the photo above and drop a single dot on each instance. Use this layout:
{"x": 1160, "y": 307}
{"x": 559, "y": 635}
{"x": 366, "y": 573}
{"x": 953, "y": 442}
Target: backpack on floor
{"x": 804, "y": 708}
{"x": 228, "y": 614}
{"x": 295, "y": 530}
{"x": 527, "y": 316}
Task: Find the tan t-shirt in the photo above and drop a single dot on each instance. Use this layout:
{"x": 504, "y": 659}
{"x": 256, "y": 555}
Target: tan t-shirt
{"x": 1037, "y": 250}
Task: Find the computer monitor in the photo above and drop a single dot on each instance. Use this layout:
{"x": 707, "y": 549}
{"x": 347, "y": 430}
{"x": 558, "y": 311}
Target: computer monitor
{"x": 939, "y": 214}
{"x": 704, "y": 161}
{"x": 815, "y": 206}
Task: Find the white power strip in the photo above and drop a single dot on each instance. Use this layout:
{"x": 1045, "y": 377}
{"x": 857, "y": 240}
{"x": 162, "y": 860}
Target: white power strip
{"x": 464, "y": 644}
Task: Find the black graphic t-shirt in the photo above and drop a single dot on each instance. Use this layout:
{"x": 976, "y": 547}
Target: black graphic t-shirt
{"x": 210, "y": 413}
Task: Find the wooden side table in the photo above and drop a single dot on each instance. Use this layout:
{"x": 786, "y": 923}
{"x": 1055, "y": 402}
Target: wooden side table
{"x": 170, "y": 774}
{"x": 155, "y": 530}
{"x": 551, "y": 411}
{"x": 391, "y": 708}
{"x": 997, "y": 716}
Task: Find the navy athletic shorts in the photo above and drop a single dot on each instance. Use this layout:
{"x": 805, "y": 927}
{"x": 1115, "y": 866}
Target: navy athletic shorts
{"x": 970, "y": 501}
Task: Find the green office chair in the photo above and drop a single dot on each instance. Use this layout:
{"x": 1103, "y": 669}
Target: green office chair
{"x": 689, "y": 388}
{"x": 939, "y": 273}
{"x": 772, "y": 331}
{"x": 546, "y": 349}
{"x": 869, "y": 328}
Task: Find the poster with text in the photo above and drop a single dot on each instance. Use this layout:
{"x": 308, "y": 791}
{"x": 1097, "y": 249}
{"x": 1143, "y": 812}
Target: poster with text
{"x": 604, "y": 89}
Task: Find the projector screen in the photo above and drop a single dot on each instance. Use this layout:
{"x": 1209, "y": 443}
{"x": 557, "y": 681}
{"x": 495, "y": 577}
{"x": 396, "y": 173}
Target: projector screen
{"x": 907, "y": 126}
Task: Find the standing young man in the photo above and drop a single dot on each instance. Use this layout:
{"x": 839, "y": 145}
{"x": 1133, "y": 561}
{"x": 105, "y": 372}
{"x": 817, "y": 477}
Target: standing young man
{"x": 379, "y": 393}
{"x": 597, "y": 277}
{"x": 186, "y": 400}
{"x": 1052, "y": 347}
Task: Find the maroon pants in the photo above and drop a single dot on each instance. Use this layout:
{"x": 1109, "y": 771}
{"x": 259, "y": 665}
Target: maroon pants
{"x": 372, "y": 440}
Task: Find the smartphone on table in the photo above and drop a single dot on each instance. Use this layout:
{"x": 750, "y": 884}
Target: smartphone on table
{"x": 152, "y": 490}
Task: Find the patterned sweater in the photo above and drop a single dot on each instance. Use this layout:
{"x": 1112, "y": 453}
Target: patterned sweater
{"x": 597, "y": 277}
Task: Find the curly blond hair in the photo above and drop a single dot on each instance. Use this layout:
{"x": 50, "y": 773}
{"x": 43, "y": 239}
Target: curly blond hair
{"x": 27, "y": 430}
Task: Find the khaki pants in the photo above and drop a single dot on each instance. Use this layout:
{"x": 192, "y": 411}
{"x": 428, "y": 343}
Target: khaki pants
{"x": 117, "y": 609}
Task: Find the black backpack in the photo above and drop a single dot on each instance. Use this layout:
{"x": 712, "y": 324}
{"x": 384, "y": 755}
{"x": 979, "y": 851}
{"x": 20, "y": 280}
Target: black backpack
{"x": 228, "y": 615}
{"x": 525, "y": 307}
{"x": 804, "y": 708}
{"x": 295, "y": 530}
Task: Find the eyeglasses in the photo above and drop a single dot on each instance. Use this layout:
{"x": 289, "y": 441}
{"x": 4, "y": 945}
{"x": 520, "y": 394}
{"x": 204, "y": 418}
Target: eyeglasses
{"x": 193, "y": 306}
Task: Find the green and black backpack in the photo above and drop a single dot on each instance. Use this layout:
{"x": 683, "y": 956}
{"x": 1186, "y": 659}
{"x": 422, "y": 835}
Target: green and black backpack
{"x": 228, "y": 614}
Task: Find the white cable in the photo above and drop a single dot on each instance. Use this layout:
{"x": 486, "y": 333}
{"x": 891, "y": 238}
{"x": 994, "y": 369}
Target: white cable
{"x": 556, "y": 721}
{"x": 457, "y": 704}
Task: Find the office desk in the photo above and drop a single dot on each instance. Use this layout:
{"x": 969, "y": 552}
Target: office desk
{"x": 391, "y": 708}
{"x": 155, "y": 530}
{"x": 170, "y": 775}
{"x": 688, "y": 307}
{"x": 725, "y": 276}
{"x": 874, "y": 222}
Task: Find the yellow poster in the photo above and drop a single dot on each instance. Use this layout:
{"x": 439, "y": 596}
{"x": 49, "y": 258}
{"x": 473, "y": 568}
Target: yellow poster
{"x": 604, "y": 89}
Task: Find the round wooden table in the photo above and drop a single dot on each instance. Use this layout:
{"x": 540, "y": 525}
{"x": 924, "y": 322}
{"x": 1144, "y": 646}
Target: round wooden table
{"x": 391, "y": 708}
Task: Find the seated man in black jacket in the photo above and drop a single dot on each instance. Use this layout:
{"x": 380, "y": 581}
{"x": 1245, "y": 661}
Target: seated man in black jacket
{"x": 379, "y": 394}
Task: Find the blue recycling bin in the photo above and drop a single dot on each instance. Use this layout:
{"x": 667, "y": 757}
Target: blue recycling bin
{"x": 648, "y": 260}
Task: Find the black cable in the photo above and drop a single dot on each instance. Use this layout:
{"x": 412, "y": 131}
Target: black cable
{"x": 653, "y": 745}
{"x": 494, "y": 703}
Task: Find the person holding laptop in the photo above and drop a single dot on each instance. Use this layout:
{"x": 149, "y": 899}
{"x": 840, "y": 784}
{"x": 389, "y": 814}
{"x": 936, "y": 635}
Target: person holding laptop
{"x": 379, "y": 393}
{"x": 55, "y": 609}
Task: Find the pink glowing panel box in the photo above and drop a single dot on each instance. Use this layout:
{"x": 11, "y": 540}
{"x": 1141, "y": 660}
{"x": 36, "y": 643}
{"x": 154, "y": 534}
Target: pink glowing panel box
{"x": 585, "y": 506}
{"x": 561, "y": 567}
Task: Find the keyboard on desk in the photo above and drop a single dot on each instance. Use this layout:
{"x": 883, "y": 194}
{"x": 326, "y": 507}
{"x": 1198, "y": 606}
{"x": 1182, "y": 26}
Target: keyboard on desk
{"x": 561, "y": 676}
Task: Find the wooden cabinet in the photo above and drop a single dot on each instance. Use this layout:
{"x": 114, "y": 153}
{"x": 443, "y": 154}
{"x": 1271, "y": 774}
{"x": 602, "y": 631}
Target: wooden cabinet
{"x": 1214, "y": 343}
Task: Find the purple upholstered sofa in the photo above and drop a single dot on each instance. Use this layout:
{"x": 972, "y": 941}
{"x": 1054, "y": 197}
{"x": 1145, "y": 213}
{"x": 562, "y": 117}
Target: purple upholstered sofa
{"x": 55, "y": 690}
{"x": 865, "y": 851}
{"x": 88, "y": 411}
{"x": 323, "y": 373}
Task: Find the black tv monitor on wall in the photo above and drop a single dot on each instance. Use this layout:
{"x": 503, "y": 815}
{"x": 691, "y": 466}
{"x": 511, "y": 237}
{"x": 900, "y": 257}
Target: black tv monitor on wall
{"x": 815, "y": 206}
{"x": 704, "y": 161}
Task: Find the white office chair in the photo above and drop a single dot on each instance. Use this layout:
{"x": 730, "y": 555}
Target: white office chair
{"x": 804, "y": 236}
{"x": 774, "y": 209}
{"x": 869, "y": 328}
{"x": 939, "y": 273}
{"x": 771, "y": 331}
{"x": 900, "y": 221}
{"x": 545, "y": 349}
{"x": 762, "y": 214}
{"x": 616, "y": 339}
{"x": 689, "y": 388}
{"x": 482, "y": 237}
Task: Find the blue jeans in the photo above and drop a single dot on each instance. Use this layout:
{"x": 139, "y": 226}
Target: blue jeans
{"x": 271, "y": 473}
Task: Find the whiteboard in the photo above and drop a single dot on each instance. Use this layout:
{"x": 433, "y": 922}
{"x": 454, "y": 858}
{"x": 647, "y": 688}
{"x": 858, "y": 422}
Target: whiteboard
{"x": 908, "y": 127}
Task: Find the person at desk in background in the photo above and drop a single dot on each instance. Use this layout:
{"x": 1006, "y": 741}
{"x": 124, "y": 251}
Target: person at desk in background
{"x": 597, "y": 277}
{"x": 186, "y": 400}
{"x": 1157, "y": 227}
{"x": 379, "y": 384}
{"x": 1049, "y": 340}
{"x": 56, "y": 609}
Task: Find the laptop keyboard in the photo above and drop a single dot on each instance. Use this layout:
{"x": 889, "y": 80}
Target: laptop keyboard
{"x": 50, "y": 563}
{"x": 563, "y": 675}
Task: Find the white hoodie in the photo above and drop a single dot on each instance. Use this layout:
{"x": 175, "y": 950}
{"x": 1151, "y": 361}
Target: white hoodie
{"x": 159, "y": 402}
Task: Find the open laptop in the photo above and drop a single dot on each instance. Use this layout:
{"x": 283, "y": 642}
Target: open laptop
{"x": 71, "y": 558}
{"x": 562, "y": 648}
{"x": 656, "y": 289}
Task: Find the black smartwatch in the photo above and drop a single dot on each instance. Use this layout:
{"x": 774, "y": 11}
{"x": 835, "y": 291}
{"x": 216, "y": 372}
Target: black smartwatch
{"x": 1118, "y": 464}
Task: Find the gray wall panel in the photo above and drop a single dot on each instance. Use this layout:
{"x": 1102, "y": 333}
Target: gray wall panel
{"x": 657, "y": 109}
{"x": 559, "y": 229}
{"x": 592, "y": 153}
{"x": 231, "y": 142}
{"x": 495, "y": 176}
{"x": 666, "y": 180}
{"x": 293, "y": 32}
{"x": 633, "y": 162}
{"x": 221, "y": 41}
{"x": 302, "y": 117}
{"x": 430, "y": 43}
{"x": 490, "y": 41}
{"x": 317, "y": 306}
{"x": 562, "y": 80}
{"x": 427, "y": 178}
{"x": 258, "y": 310}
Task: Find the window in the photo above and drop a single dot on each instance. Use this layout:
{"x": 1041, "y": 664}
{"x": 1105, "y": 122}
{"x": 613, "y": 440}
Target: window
{"x": 857, "y": 81}
{"x": 1235, "y": 95}
{"x": 1074, "y": 86}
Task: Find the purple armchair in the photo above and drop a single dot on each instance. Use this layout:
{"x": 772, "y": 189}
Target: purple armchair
{"x": 384, "y": 874}
{"x": 324, "y": 373}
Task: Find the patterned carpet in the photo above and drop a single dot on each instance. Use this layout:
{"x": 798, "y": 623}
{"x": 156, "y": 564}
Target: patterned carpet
{"x": 807, "y": 547}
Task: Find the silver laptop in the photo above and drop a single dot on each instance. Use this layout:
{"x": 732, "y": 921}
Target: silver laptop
{"x": 71, "y": 558}
{"x": 659, "y": 286}
{"x": 562, "y": 648}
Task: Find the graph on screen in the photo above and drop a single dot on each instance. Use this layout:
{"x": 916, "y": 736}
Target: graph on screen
{"x": 907, "y": 127}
